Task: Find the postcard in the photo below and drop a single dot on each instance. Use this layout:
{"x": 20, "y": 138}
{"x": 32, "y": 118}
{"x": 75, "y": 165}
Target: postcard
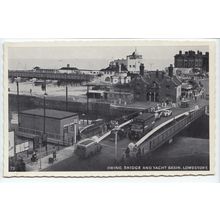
{"x": 108, "y": 108}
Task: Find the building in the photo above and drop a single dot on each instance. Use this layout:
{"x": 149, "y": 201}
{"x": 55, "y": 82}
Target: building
{"x": 120, "y": 79}
{"x": 96, "y": 94}
{"x": 191, "y": 59}
{"x": 90, "y": 72}
{"x": 156, "y": 86}
{"x": 134, "y": 61}
{"x": 130, "y": 64}
{"x": 60, "y": 126}
{"x": 119, "y": 97}
{"x": 114, "y": 97}
{"x": 68, "y": 69}
{"x": 115, "y": 67}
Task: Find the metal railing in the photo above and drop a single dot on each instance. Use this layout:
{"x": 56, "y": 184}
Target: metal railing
{"x": 156, "y": 140}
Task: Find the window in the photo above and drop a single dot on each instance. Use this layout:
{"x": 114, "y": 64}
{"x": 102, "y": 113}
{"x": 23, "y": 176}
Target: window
{"x": 72, "y": 127}
{"x": 129, "y": 65}
{"x": 133, "y": 65}
{"x": 167, "y": 86}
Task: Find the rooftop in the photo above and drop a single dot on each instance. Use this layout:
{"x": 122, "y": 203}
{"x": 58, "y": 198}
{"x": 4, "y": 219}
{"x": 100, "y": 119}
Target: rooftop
{"x": 68, "y": 68}
{"x": 50, "y": 113}
{"x": 144, "y": 116}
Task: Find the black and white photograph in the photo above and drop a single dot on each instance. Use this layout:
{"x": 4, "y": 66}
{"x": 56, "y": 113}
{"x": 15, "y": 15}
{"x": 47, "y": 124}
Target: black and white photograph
{"x": 109, "y": 108}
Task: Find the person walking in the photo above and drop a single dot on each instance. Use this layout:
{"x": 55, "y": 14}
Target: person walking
{"x": 54, "y": 154}
{"x": 127, "y": 152}
{"x": 138, "y": 154}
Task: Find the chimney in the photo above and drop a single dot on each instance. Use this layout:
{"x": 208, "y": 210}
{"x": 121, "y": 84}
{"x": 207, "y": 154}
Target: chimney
{"x": 119, "y": 70}
{"x": 180, "y": 52}
{"x": 170, "y": 70}
{"x": 197, "y": 51}
{"x": 68, "y": 66}
{"x": 142, "y": 69}
{"x": 163, "y": 73}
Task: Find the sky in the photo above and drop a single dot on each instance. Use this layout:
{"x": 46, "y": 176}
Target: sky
{"x": 92, "y": 57}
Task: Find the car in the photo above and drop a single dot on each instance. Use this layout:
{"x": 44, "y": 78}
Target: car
{"x": 157, "y": 115}
{"x": 166, "y": 113}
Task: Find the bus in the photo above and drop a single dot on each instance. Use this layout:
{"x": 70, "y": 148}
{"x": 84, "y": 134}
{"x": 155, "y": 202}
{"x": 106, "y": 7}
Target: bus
{"x": 141, "y": 125}
{"x": 87, "y": 148}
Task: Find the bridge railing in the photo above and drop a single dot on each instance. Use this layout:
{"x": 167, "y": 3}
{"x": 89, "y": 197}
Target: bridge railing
{"x": 154, "y": 141}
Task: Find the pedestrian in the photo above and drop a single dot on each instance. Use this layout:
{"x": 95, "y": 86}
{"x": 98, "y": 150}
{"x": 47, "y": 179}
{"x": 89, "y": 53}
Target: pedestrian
{"x": 34, "y": 157}
{"x": 127, "y": 152}
{"x": 123, "y": 159}
{"x": 31, "y": 92}
{"x": 138, "y": 154}
{"x": 54, "y": 154}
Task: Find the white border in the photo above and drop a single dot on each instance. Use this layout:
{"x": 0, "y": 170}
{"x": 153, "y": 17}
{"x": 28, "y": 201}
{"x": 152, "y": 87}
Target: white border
{"x": 115, "y": 42}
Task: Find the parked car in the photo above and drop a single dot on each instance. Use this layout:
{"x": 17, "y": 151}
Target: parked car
{"x": 166, "y": 113}
{"x": 157, "y": 114}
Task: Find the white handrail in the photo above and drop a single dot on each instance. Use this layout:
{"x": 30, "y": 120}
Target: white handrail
{"x": 143, "y": 139}
{"x": 109, "y": 132}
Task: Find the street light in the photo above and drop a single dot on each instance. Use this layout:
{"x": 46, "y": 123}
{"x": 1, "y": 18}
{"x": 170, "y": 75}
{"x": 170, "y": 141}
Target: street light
{"x": 75, "y": 132}
{"x": 18, "y": 103}
{"x": 44, "y": 128}
{"x": 18, "y": 112}
{"x": 116, "y": 129}
{"x": 87, "y": 105}
{"x": 66, "y": 92}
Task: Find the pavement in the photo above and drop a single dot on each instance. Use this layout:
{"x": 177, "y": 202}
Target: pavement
{"x": 44, "y": 162}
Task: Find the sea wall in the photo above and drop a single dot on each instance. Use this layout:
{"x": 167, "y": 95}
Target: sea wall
{"x": 28, "y": 102}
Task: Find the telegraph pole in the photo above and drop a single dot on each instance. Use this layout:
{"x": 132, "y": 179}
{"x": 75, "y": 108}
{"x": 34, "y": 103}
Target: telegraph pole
{"x": 116, "y": 129}
{"x": 18, "y": 103}
{"x": 66, "y": 93}
{"x": 44, "y": 141}
{"x": 87, "y": 105}
{"x": 18, "y": 112}
{"x": 116, "y": 145}
{"x": 44, "y": 124}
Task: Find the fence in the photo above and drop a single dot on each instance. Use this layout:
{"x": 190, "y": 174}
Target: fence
{"x": 51, "y": 137}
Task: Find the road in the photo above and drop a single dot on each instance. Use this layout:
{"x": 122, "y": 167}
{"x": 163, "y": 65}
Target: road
{"x": 105, "y": 159}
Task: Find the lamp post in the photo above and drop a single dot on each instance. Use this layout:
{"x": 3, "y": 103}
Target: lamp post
{"x": 116, "y": 129}
{"x": 18, "y": 103}
{"x": 75, "y": 132}
{"x": 43, "y": 137}
{"x": 87, "y": 104}
{"x": 18, "y": 112}
{"x": 66, "y": 92}
{"x": 44, "y": 127}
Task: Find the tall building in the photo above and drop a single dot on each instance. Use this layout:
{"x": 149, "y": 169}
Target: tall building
{"x": 191, "y": 59}
{"x": 133, "y": 62}
{"x": 130, "y": 64}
